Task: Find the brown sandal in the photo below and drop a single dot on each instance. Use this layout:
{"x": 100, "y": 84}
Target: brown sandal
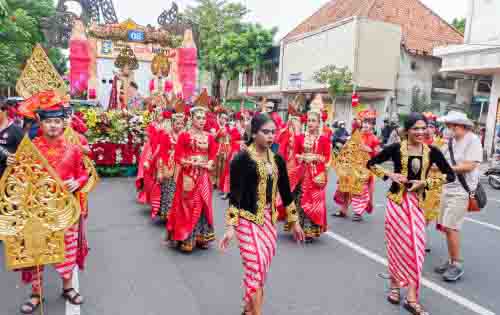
{"x": 32, "y": 307}
{"x": 72, "y": 298}
{"x": 394, "y": 296}
{"x": 414, "y": 308}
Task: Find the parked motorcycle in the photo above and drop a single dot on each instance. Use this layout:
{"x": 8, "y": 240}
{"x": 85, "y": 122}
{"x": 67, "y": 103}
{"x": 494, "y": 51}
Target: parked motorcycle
{"x": 493, "y": 174}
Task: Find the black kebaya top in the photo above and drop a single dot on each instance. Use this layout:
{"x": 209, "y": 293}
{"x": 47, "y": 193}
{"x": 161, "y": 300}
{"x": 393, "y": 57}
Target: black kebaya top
{"x": 254, "y": 186}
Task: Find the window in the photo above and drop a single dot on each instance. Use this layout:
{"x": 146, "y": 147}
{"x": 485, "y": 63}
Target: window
{"x": 484, "y": 86}
{"x": 443, "y": 83}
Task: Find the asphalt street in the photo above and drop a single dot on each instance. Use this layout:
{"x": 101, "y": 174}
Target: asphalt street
{"x": 131, "y": 272}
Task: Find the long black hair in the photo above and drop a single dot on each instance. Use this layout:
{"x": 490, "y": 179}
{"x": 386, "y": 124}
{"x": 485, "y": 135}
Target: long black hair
{"x": 258, "y": 121}
{"x": 412, "y": 120}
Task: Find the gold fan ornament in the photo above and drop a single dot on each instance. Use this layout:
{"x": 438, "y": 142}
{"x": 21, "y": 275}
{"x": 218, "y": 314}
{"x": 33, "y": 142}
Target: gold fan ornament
{"x": 35, "y": 210}
{"x": 350, "y": 165}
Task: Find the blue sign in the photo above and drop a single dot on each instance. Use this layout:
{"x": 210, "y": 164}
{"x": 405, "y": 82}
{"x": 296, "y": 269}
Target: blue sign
{"x": 136, "y": 36}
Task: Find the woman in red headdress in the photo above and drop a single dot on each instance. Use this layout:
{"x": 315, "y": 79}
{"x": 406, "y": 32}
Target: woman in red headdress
{"x": 223, "y": 139}
{"x": 362, "y": 203}
{"x": 190, "y": 221}
{"x": 313, "y": 151}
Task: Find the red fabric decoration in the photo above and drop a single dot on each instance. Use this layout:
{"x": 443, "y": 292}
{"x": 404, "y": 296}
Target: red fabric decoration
{"x": 151, "y": 85}
{"x": 168, "y": 86}
{"x": 355, "y": 100}
{"x": 167, "y": 115}
{"x": 188, "y": 60}
{"x": 92, "y": 94}
{"x": 79, "y": 58}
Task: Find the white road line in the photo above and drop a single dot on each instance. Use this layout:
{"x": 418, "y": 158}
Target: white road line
{"x": 70, "y": 308}
{"x": 495, "y": 200}
{"x": 478, "y": 309}
{"x": 488, "y": 225}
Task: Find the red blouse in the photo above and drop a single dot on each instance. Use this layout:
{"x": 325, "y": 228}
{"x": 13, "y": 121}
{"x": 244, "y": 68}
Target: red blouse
{"x": 66, "y": 159}
{"x": 187, "y": 146}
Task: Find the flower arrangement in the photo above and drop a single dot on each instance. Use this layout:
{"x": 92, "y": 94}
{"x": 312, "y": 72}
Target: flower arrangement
{"x": 117, "y": 127}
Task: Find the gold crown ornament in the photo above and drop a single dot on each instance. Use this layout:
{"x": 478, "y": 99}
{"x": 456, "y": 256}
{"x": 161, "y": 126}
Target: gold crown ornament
{"x": 35, "y": 210}
{"x": 350, "y": 165}
{"x": 40, "y": 75}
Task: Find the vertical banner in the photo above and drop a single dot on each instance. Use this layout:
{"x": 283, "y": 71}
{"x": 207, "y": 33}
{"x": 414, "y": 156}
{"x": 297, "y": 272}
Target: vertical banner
{"x": 496, "y": 137}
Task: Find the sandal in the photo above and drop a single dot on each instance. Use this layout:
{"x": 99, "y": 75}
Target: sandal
{"x": 414, "y": 308}
{"x": 357, "y": 218}
{"x": 394, "y": 296}
{"x": 72, "y": 298}
{"x": 339, "y": 214}
{"x": 30, "y": 308}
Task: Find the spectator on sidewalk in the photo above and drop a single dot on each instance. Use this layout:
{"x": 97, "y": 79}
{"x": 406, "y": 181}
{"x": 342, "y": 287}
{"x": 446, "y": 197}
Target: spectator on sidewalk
{"x": 468, "y": 154}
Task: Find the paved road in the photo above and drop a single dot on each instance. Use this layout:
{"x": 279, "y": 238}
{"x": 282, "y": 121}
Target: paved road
{"x": 131, "y": 272}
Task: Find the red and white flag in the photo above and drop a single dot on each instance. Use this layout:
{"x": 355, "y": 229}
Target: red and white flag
{"x": 355, "y": 100}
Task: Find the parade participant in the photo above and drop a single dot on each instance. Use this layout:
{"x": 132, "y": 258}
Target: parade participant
{"x": 313, "y": 151}
{"x": 269, "y": 108}
{"x": 432, "y": 202}
{"x": 161, "y": 169}
{"x": 223, "y": 139}
{"x": 256, "y": 176}
{"x": 287, "y": 144}
{"x": 327, "y": 131}
{"x": 10, "y": 137}
{"x": 66, "y": 160}
{"x": 190, "y": 221}
{"x": 361, "y": 203}
{"x": 168, "y": 169}
{"x": 405, "y": 223}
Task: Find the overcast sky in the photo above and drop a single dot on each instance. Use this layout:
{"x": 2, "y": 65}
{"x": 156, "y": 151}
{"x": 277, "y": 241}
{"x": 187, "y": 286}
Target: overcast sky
{"x": 285, "y": 14}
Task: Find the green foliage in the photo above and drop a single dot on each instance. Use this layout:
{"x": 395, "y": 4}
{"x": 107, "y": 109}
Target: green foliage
{"x": 19, "y": 32}
{"x": 419, "y": 103}
{"x": 459, "y": 24}
{"x": 338, "y": 80}
{"x": 227, "y": 46}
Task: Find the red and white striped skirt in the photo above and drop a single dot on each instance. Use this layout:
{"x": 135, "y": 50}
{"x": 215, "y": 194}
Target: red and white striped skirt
{"x": 257, "y": 249}
{"x": 405, "y": 239}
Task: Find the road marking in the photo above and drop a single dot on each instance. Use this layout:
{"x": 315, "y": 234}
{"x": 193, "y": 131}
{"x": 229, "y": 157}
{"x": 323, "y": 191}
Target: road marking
{"x": 478, "y": 309}
{"x": 488, "y": 225}
{"x": 495, "y": 200}
{"x": 70, "y": 308}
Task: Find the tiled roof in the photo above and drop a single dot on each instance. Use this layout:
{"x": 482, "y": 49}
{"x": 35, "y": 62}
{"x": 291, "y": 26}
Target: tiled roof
{"x": 422, "y": 28}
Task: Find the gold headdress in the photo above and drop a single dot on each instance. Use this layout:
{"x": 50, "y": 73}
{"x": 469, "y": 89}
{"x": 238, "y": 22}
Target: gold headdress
{"x": 202, "y": 102}
{"x": 350, "y": 165}
{"x": 40, "y": 75}
{"x": 35, "y": 210}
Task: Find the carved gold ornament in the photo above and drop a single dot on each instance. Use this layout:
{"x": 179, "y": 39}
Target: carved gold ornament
{"x": 35, "y": 210}
{"x": 160, "y": 66}
{"x": 39, "y": 75}
{"x": 72, "y": 137}
{"x": 350, "y": 165}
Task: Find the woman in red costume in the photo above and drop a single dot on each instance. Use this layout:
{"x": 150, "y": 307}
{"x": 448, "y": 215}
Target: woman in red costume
{"x": 67, "y": 161}
{"x": 168, "y": 170}
{"x": 161, "y": 147}
{"x": 223, "y": 139}
{"x": 313, "y": 150}
{"x": 190, "y": 221}
{"x": 362, "y": 203}
{"x": 257, "y": 174}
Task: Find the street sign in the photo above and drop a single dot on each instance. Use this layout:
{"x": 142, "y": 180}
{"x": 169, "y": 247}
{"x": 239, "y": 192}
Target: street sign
{"x": 135, "y": 36}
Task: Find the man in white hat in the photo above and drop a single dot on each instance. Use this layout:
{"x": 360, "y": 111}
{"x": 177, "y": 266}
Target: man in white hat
{"x": 468, "y": 154}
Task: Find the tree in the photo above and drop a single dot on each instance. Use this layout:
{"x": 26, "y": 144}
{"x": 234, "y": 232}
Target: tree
{"x": 338, "y": 80}
{"x": 459, "y": 24}
{"x": 419, "y": 101}
{"x": 226, "y": 45}
{"x": 19, "y": 32}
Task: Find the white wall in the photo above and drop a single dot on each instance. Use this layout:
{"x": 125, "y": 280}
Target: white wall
{"x": 485, "y": 21}
{"x": 347, "y": 43}
{"x": 308, "y": 55}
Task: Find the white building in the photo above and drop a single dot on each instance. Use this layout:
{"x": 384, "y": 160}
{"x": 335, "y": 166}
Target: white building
{"x": 480, "y": 55}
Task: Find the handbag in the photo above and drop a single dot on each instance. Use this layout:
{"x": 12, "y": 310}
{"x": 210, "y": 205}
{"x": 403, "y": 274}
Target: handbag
{"x": 477, "y": 198}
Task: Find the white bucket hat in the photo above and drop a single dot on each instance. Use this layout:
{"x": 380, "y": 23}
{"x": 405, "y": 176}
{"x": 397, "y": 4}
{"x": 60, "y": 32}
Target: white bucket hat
{"x": 456, "y": 117}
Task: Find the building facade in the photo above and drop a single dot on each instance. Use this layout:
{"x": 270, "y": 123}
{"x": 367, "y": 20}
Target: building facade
{"x": 479, "y": 57}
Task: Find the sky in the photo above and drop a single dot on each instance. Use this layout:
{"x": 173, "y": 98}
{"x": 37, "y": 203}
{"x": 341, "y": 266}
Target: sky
{"x": 284, "y": 14}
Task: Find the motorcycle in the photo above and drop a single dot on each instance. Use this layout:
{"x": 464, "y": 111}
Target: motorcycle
{"x": 493, "y": 174}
